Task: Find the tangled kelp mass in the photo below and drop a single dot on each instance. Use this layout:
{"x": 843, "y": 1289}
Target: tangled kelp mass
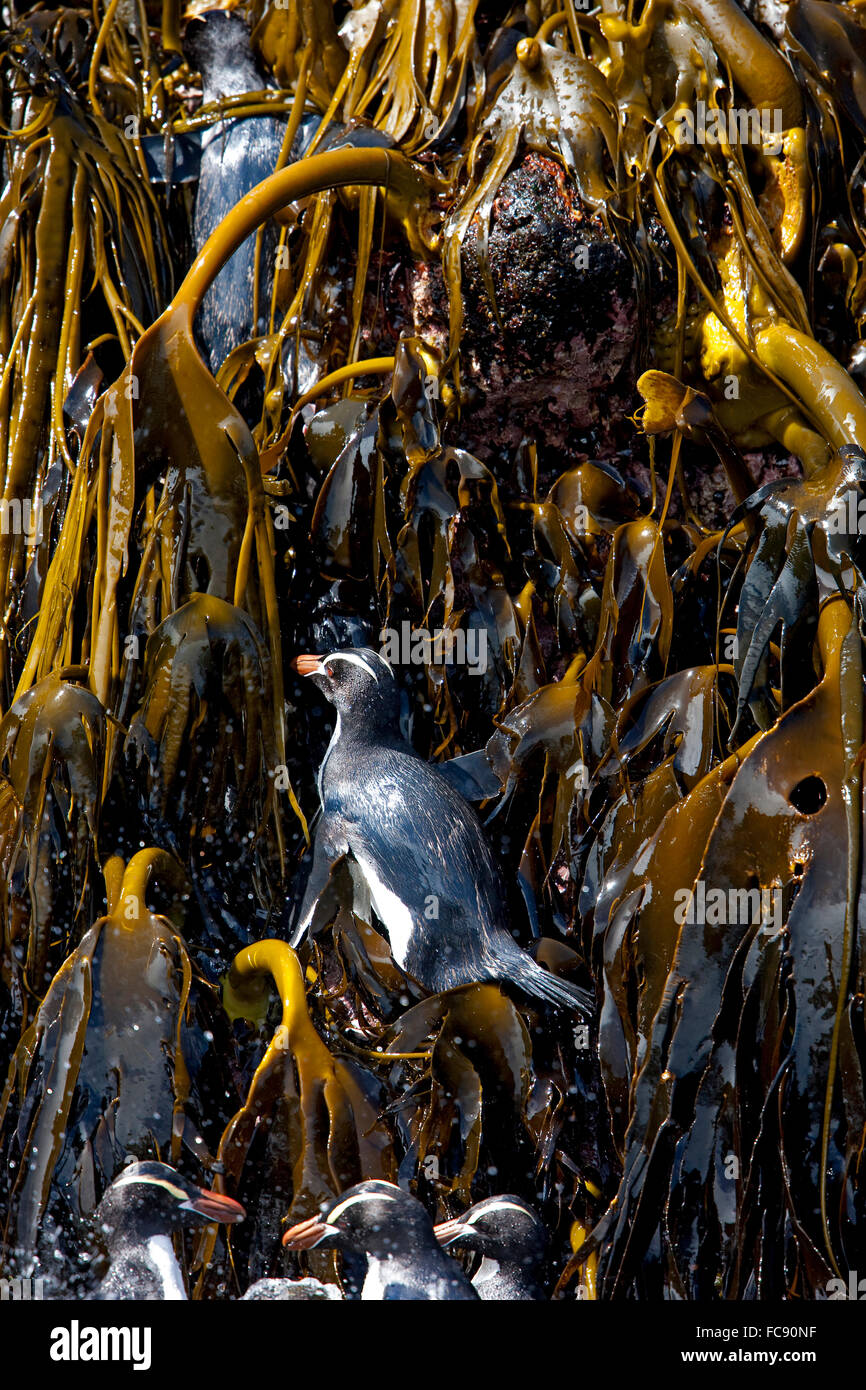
{"x": 540, "y": 330}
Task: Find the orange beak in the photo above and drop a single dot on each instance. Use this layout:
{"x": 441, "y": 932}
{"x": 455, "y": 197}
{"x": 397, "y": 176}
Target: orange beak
{"x": 447, "y": 1232}
{"x": 215, "y": 1206}
{"x": 307, "y": 1234}
{"x": 306, "y": 665}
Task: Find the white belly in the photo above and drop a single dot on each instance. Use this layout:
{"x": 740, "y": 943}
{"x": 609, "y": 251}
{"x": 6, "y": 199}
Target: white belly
{"x": 160, "y": 1253}
{"x": 488, "y": 1269}
{"x": 393, "y": 914}
{"x": 375, "y": 1282}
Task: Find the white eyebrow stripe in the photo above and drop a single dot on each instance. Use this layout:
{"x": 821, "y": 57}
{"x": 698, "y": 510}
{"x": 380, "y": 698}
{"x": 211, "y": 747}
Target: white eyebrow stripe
{"x": 354, "y": 659}
{"x": 357, "y": 1197}
{"x": 129, "y": 1179}
{"x": 474, "y": 1216}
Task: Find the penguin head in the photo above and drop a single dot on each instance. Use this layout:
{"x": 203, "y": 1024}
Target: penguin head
{"x": 153, "y": 1199}
{"x": 210, "y": 35}
{"x": 217, "y": 44}
{"x": 359, "y": 683}
{"x": 500, "y": 1228}
{"x": 375, "y": 1218}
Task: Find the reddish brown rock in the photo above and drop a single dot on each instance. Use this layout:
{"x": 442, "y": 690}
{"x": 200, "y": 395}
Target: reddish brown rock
{"x": 556, "y": 357}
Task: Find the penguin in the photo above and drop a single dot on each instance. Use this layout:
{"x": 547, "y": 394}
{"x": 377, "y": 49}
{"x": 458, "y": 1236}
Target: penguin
{"x": 388, "y": 1237}
{"x": 235, "y": 156}
{"x": 414, "y": 840}
{"x": 137, "y": 1215}
{"x": 512, "y": 1241}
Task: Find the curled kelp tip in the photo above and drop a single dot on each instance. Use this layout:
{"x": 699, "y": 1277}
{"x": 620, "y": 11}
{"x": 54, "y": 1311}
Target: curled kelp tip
{"x": 664, "y": 397}
{"x": 670, "y": 405}
{"x": 314, "y": 1108}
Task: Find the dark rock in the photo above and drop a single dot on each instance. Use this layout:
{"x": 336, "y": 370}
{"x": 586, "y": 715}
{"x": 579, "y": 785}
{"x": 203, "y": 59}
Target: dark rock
{"x": 560, "y": 345}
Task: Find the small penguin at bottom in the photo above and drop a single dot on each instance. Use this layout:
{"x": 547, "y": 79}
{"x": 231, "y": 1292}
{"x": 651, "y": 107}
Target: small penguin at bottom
{"x": 512, "y": 1241}
{"x": 137, "y": 1215}
{"x": 390, "y": 1234}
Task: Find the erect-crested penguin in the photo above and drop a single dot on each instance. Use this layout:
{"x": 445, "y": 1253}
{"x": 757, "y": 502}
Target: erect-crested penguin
{"x": 389, "y": 1229}
{"x": 137, "y": 1215}
{"x": 512, "y": 1240}
{"x": 418, "y": 845}
{"x": 236, "y": 155}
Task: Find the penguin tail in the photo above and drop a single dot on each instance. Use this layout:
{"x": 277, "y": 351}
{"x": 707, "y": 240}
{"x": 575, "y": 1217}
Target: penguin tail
{"x": 544, "y": 985}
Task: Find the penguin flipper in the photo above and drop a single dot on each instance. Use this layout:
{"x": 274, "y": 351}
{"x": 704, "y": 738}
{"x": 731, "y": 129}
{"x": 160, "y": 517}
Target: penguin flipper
{"x": 328, "y": 847}
{"x": 471, "y": 775}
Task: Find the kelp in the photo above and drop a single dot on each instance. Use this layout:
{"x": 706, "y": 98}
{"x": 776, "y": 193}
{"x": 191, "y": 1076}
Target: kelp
{"x": 104, "y": 1071}
{"x": 786, "y": 578}
{"x": 670, "y": 701}
{"x": 412, "y": 70}
{"x": 77, "y": 215}
{"x": 52, "y": 752}
{"x": 479, "y": 1062}
{"x": 206, "y": 756}
{"x": 309, "y": 1112}
{"x": 696, "y": 1090}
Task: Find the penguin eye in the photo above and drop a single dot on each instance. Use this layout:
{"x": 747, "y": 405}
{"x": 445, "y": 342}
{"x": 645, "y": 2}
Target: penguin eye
{"x": 329, "y": 670}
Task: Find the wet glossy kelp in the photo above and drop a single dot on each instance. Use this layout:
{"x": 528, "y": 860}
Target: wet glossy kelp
{"x": 665, "y": 731}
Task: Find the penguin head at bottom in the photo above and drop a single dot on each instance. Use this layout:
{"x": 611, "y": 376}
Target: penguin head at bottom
{"x": 359, "y": 683}
{"x": 152, "y": 1199}
{"x": 374, "y": 1218}
{"x": 501, "y": 1228}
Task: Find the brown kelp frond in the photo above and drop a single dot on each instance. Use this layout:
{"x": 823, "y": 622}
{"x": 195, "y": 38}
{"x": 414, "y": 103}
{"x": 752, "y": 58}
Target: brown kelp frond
{"x": 101, "y": 1075}
{"x": 311, "y": 1114}
{"x": 479, "y": 1063}
{"x": 204, "y": 736}
{"x": 76, "y": 216}
{"x": 769, "y": 1065}
{"x": 808, "y": 540}
{"x": 411, "y": 70}
{"x": 631, "y": 634}
{"x": 52, "y": 753}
